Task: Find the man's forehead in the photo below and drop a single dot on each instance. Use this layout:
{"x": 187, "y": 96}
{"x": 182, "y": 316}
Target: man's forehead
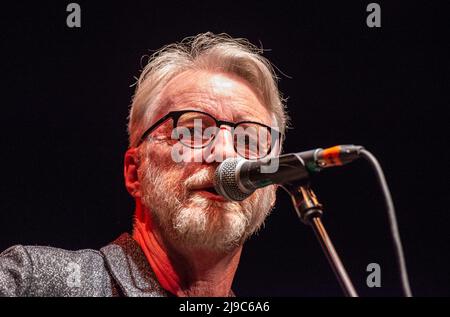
{"x": 217, "y": 93}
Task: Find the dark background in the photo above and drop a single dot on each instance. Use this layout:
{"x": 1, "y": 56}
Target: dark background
{"x": 65, "y": 97}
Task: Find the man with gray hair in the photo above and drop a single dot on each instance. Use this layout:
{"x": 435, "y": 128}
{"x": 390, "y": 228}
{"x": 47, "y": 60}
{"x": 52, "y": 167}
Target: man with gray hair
{"x": 197, "y": 102}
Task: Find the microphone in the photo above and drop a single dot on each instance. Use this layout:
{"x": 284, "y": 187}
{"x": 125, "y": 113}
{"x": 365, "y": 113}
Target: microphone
{"x": 237, "y": 178}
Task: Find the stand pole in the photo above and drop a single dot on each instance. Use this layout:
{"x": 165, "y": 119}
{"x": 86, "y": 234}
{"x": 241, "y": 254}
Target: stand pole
{"x": 333, "y": 258}
{"x": 309, "y": 210}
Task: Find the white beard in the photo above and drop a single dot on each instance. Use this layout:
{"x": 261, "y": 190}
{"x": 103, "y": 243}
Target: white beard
{"x": 190, "y": 219}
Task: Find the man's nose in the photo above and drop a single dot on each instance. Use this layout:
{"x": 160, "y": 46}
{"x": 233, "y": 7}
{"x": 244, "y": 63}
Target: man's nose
{"x": 222, "y": 147}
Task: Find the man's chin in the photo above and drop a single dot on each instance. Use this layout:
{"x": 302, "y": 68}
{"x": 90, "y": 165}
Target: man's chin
{"x": 210, "y": 225}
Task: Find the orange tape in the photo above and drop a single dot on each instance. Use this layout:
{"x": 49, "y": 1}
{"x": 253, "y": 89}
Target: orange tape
{"x": 331, "y": 155}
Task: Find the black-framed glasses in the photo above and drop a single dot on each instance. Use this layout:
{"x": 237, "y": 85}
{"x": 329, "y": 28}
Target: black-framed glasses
{"x": 197, "y": 129}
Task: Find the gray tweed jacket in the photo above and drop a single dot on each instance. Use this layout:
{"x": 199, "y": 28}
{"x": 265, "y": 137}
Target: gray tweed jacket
{"x": 118, "y": 269}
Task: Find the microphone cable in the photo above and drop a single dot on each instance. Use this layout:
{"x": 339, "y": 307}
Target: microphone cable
{"x": 398, "y": 248}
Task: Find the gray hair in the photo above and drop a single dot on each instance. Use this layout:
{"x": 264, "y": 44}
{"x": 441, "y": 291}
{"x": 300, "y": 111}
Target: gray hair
{"x": 206, "y": 51}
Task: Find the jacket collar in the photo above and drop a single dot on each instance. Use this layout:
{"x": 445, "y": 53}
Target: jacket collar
{"x": 130, "y": 270}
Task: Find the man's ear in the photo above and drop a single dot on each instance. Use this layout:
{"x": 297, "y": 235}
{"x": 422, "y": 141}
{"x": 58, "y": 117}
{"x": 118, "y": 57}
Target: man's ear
{"x": 130, "y": 172}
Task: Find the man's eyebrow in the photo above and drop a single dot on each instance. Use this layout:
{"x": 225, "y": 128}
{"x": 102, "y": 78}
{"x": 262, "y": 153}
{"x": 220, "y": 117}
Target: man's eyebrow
{"x": 205, "y": 107}
{"x": 200, "y": 106}
{"x": 247, "y": 116}
{"x": 187, "y": 102}
{"x": 208, "y": 107}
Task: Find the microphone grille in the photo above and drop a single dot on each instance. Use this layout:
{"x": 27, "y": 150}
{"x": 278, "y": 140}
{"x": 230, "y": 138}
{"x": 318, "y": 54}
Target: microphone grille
{"x": 226, "y": 181}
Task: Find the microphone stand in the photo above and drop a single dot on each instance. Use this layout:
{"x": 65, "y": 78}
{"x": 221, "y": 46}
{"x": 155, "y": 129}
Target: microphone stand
{"x": 309, "y": 210}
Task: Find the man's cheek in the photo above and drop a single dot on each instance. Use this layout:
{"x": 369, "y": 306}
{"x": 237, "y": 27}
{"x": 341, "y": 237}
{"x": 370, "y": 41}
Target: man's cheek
{"x": 161, "y": 157}
{"x": 183, "y": 154}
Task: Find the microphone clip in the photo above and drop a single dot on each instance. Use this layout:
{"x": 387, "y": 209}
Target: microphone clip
{"x": 305, "y": 201}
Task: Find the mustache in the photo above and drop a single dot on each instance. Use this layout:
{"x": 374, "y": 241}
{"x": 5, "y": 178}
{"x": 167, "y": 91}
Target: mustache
{"x": 202, "y": 178}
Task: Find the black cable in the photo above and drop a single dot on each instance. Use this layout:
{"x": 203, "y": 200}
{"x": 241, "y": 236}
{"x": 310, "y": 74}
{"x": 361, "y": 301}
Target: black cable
{"x": 392, "y": 220}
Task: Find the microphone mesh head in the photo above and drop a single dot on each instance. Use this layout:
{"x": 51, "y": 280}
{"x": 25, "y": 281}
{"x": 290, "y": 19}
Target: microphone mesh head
{"x": 226, "y": 180}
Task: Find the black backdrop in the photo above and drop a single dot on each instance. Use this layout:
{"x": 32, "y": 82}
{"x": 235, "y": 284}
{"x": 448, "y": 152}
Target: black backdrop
{"x": 65, "y": 97}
